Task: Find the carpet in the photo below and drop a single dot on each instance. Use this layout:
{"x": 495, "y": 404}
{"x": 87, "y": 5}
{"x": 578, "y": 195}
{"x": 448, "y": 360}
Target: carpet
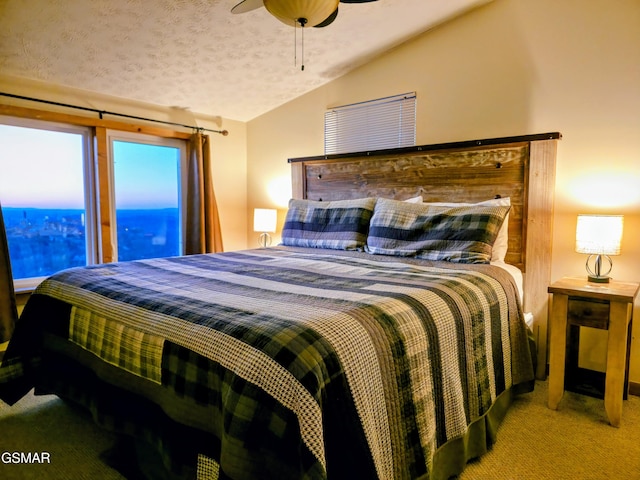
{"x": 574, "y": 442}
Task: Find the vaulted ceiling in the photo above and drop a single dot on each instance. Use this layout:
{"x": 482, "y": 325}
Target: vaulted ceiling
{"x": 195, "y": 54}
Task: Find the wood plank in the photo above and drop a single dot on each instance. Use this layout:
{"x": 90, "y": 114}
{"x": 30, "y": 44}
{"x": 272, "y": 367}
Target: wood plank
{"x": 616, "y": 360}
{"x": 557, "y": 354}
{"x": 106, "y": 250}
{"x": 85, "y": 121}
{"x": 539, "y": 237}
{"x": 614, "y": 290}
{"x": 297, "y": 180}
{"x": 465, "y": 145}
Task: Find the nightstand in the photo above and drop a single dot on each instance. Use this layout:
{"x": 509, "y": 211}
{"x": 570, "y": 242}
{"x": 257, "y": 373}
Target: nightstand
{"x": 609, "y": 306}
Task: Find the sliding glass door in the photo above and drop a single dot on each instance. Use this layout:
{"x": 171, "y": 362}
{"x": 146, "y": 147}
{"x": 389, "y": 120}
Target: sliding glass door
{"x": 52, "y": 185}
{"x": 148, "y": 193}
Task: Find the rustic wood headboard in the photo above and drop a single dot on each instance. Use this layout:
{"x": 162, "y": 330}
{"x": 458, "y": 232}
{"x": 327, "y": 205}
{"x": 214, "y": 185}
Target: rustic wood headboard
{"x": 522, "y": 168}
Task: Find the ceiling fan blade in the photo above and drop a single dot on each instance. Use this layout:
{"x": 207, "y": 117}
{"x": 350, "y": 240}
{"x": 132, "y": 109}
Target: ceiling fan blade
{"x": 246, "y": 6}
{"x": 329, "y": 20}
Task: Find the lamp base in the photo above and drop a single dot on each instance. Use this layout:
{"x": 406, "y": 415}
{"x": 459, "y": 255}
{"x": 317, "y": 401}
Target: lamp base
{"x": 598, "y": 279}
{"x": 598, "y": 274}
{"x": 264, "y": 240}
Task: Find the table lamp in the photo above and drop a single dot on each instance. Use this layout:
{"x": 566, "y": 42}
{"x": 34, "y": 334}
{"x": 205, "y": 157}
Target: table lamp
{"x": 264, "y": 221}
{"x": 599, "y": 236}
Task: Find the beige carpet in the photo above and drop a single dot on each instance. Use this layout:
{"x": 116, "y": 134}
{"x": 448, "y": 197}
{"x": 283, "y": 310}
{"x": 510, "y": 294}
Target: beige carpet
{"x": 575, "y": 442}
{"x": 47, "y": 424}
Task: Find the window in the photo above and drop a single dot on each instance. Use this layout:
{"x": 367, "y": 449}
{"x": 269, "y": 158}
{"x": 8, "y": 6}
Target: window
{"x": 373, "y": 125}
{"x": 45, "y": 189}
{"x": 148, "y": 189}
{"x": 51, "y": 185}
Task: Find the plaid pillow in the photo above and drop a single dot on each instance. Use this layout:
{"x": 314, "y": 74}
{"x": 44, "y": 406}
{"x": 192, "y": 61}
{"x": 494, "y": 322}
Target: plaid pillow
{"x": 463, "y": 234}
{"x": 338, "y": 225}
{"x": 501, "y": 244}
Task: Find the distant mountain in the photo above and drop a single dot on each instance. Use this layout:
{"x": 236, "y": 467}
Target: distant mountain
{"x": 44, "y": 241}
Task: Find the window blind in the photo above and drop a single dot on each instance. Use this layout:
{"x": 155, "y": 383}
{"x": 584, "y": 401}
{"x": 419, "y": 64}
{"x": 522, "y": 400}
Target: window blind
{"x": 388, "y": 122}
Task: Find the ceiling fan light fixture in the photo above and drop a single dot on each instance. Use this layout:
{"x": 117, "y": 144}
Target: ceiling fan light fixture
{"x": 291, "y": 12}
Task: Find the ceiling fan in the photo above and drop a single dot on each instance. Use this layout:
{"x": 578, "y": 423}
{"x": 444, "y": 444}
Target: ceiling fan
{"x": 315, "y": 13}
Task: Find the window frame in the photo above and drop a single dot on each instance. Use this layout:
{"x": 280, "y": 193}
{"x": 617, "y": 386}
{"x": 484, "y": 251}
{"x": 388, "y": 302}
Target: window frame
{"x": 89, "y": 185}
{"x": 146, "y": 139}
{"x": 99, "y": 168}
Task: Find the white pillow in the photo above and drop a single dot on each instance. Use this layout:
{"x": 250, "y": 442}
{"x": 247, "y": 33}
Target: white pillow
{"x": 417, "y": 199}
{"x": 501, "y": 244}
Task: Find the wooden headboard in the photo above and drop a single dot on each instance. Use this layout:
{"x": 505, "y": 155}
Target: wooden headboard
{"x": 522, "y": 168}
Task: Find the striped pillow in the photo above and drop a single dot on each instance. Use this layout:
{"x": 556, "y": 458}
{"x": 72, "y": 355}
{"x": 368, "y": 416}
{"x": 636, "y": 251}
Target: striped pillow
{"x": 338, "y": 225}
{"x": 463, "y": 234}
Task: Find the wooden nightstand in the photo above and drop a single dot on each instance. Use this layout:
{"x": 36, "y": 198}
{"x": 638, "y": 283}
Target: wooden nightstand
{"x": 578, "y": 303}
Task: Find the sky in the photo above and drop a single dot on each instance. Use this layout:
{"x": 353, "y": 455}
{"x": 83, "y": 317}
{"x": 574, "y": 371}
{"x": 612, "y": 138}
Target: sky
{"x": 41, "y": 168}
{"x": 145, "y": 175}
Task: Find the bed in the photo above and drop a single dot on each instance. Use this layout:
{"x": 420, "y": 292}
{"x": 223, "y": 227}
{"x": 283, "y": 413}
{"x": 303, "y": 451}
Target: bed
{"x": 355, "y": 349}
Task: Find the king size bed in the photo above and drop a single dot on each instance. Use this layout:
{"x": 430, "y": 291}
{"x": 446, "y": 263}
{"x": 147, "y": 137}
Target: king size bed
{"x": 383, "y": 339}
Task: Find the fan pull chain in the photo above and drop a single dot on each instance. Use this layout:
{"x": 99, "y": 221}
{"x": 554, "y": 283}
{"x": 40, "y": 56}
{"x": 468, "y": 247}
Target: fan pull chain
{"x": 302, "y": 22}
{"x": 302, "y": 47}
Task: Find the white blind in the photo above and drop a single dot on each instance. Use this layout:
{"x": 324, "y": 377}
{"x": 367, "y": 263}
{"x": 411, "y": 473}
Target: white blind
{"x": 388, "y": 122}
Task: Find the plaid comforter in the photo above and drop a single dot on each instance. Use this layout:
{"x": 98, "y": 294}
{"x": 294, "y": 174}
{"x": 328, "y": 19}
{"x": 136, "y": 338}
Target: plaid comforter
{"x": 302, "y": 363}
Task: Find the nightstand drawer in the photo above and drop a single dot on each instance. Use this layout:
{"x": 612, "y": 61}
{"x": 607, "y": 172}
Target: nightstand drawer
{"x": 588, "y": 313}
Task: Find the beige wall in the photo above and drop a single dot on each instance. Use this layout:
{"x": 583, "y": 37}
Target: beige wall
{"x": 228, "y": 153}
{"x": 509, "y": 68}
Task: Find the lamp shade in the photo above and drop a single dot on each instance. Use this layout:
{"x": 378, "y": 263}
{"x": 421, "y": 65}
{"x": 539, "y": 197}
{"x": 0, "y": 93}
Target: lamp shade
{"x": 264, "y": 219}
{"x": 290, "y": 11}
{"x": 599, "y": 234}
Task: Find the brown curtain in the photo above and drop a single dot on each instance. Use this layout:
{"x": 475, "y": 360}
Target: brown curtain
{"x": 8, "y": 309}
{"x": 203, "y": 222}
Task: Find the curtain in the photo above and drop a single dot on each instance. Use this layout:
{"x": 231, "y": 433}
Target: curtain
{"x": 8, "y": 309}
{"x": 203, "y": 223}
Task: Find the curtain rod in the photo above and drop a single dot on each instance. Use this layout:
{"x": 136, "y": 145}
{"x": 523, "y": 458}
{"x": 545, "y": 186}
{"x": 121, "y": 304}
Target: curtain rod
{"x": 105, "y": 112}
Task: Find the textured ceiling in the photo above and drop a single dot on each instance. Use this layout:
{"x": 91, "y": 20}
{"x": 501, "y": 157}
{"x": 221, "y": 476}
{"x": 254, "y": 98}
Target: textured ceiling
{"x": 195, "y": 54}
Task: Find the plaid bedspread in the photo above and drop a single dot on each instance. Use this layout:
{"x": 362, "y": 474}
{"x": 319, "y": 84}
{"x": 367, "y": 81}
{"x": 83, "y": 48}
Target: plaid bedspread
{"x": 299, "y": 361}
